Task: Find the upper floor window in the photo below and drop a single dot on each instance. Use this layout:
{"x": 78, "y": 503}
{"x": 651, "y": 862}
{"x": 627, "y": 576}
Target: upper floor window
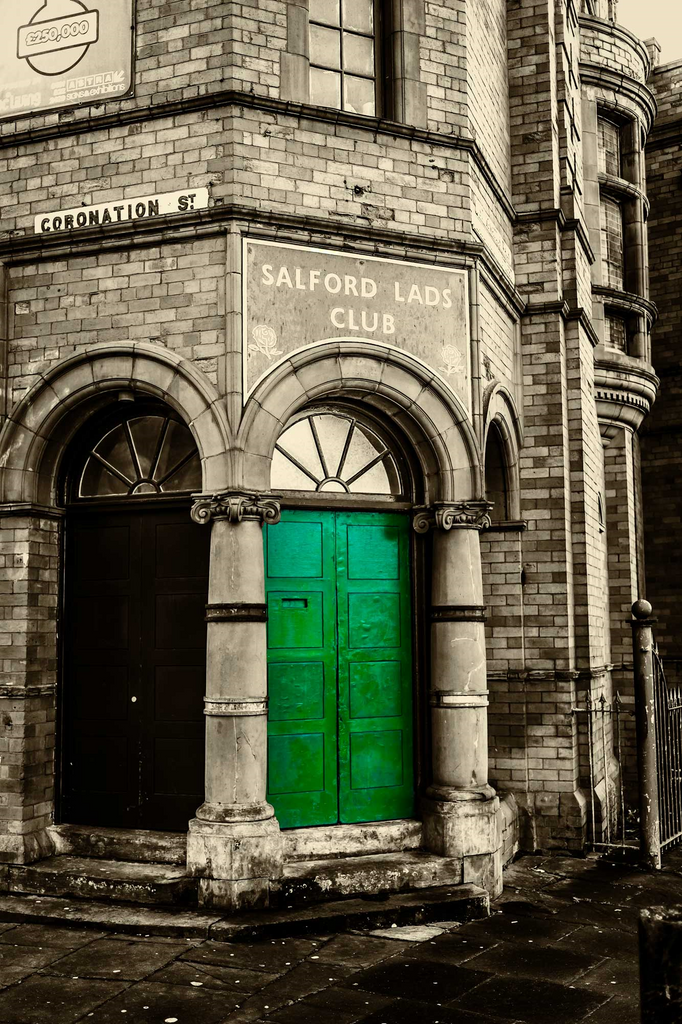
{"x": 611, "y": 227}
{"x": 615, "y": 332}
{"x": 609, "y": 147}
{"x": 343, "y": 55}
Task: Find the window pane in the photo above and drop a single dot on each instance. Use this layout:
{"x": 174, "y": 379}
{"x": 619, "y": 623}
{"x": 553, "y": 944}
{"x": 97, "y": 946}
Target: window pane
{"x": 326, "y": 11}
{"x": 358, "y": 54}
{"x": 177, "y": 443}
{"x": 298, "y": 441}
{"x": 325, "y": 46}
{"x": 325, "y": 88}
{"x": 358, "y": 95}
{"x": 615, "y": 334}
{"x": 358, "y": 15}
{"x": 363, "y": 449}
{"x": 98, "y": 482}
{"x": 286, "y": 476}
{"x": 145, "y": 431}
{"x": 115, "y": 449}
{"x": 609, "y": 147}
{"x": 187, "y": 478}
{"x": 612, "y": 243}
{"x": 374, "y": 481}
{"x": 332, "y": 432}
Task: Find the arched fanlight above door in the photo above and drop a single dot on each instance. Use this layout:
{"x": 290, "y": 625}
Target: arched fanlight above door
{"x": 141, "y": 455}
{"x": 334, "y": 451}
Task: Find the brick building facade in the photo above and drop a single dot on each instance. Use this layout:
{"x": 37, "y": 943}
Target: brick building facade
{"x": 402, "y": 241}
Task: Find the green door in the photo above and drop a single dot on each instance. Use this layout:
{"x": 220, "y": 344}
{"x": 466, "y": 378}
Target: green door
{"x": 339, "y": 667}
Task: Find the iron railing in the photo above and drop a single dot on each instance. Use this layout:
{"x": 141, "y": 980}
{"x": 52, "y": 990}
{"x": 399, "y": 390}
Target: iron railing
{"x": 604, "y": 728}
{"x": 668, "y": 733}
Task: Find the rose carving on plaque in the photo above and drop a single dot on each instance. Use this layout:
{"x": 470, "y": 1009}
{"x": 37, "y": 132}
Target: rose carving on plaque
{"x": 453, "y": 359}
{"x": 264, "y": 341}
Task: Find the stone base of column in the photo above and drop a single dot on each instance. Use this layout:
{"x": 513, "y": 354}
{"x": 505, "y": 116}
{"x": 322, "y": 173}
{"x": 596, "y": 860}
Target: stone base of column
{"x": 26, "y": 848}
{"x": 466, "y": 825}
{"x": 235, "y": 862}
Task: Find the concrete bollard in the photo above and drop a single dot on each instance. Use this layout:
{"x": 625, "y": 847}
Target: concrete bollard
{"x": 660, "y": 965}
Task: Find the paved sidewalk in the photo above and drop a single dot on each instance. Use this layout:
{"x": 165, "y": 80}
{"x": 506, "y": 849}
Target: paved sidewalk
{"x": 561, "y": 947}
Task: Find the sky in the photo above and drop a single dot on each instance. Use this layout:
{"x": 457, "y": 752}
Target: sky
{"x": 659, "y": 18}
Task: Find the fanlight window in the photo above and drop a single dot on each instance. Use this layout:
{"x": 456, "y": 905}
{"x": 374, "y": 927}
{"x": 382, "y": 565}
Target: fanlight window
{"x": 333, "y": 452}
{"x": 143, "y": 455}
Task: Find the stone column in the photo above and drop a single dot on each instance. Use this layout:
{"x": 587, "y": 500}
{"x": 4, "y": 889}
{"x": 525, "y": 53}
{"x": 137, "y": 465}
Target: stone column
{"x": 461, "y": 811}
{"x": 234, "y": 843}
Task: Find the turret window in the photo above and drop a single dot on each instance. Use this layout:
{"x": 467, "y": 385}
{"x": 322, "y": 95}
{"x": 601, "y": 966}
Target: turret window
{"x": 609, "y": 147}
{"x": 615, "y": 333}
{"x": 613, "y": 266}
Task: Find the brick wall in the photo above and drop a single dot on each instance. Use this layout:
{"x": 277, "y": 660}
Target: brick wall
{"x": 488, "y": 84}
{"x": 661, "y": 443}
{"x": 29, "y": 581}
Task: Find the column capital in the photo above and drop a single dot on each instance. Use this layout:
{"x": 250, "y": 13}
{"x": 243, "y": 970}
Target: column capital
{"x": 235, "y": 506}
{"x": 449, "y": 515}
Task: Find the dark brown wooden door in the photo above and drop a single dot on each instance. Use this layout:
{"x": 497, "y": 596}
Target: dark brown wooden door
{"x": 134, "y": 668}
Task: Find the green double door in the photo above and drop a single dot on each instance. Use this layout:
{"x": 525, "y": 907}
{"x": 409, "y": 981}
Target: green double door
{"x": 339, "y": 667}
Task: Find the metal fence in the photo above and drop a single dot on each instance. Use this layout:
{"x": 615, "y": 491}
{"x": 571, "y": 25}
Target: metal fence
{"x": 658, "y": 719}
{"x": 601, "y": 724}
{"x": 668, "y": 733}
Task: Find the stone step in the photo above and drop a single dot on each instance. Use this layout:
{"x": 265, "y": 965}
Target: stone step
{"x": 423, "y": 906}
{"x": 373, "y": 876}
{"x": 135, "y": 845}
{"x": 96, "y": 878}
{"x": 324, "y": 842}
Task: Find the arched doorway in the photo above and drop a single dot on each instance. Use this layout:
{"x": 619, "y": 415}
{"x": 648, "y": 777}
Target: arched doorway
{"x": 134, "y": 635}
{"x": 339, "y": 590}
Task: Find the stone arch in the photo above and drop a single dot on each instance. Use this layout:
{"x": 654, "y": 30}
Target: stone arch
{"x": 390, "y": 381}
{"x": 39, "y": 429}
{"x": 500, "y": 412}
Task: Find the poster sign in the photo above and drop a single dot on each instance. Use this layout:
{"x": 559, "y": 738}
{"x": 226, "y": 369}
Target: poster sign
{"x": 56, "y": 53}
{"x": 295, "y": 297}
{"x": 137, "y": 208}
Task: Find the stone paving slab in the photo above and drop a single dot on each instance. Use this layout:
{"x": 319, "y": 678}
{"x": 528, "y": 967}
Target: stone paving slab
{"x": 559, "y": 948}
{"x": 51, "y": 1000}
{"x": 117, "y": 959}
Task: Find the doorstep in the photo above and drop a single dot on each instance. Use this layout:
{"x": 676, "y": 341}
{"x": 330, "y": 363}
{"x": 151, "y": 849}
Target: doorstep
{"x": 423, "y": 906}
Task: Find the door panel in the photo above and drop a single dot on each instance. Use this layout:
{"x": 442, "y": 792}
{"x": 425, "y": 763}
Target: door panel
{"x": 299, "y": 583}
{"x": 175, "y": 589}
{"x": 102, "y": 654}
{"x": 134, "y": 670}
{"x": 339, "y": 667}
{"x": 375, "y": 667}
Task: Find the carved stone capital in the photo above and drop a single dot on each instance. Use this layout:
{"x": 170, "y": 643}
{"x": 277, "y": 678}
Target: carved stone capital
{"x": 449, "y": 515}
{"x": 236, "y": 507}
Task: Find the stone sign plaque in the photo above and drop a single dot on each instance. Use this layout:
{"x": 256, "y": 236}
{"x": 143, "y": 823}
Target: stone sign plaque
{"x": 295, "y": 297}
